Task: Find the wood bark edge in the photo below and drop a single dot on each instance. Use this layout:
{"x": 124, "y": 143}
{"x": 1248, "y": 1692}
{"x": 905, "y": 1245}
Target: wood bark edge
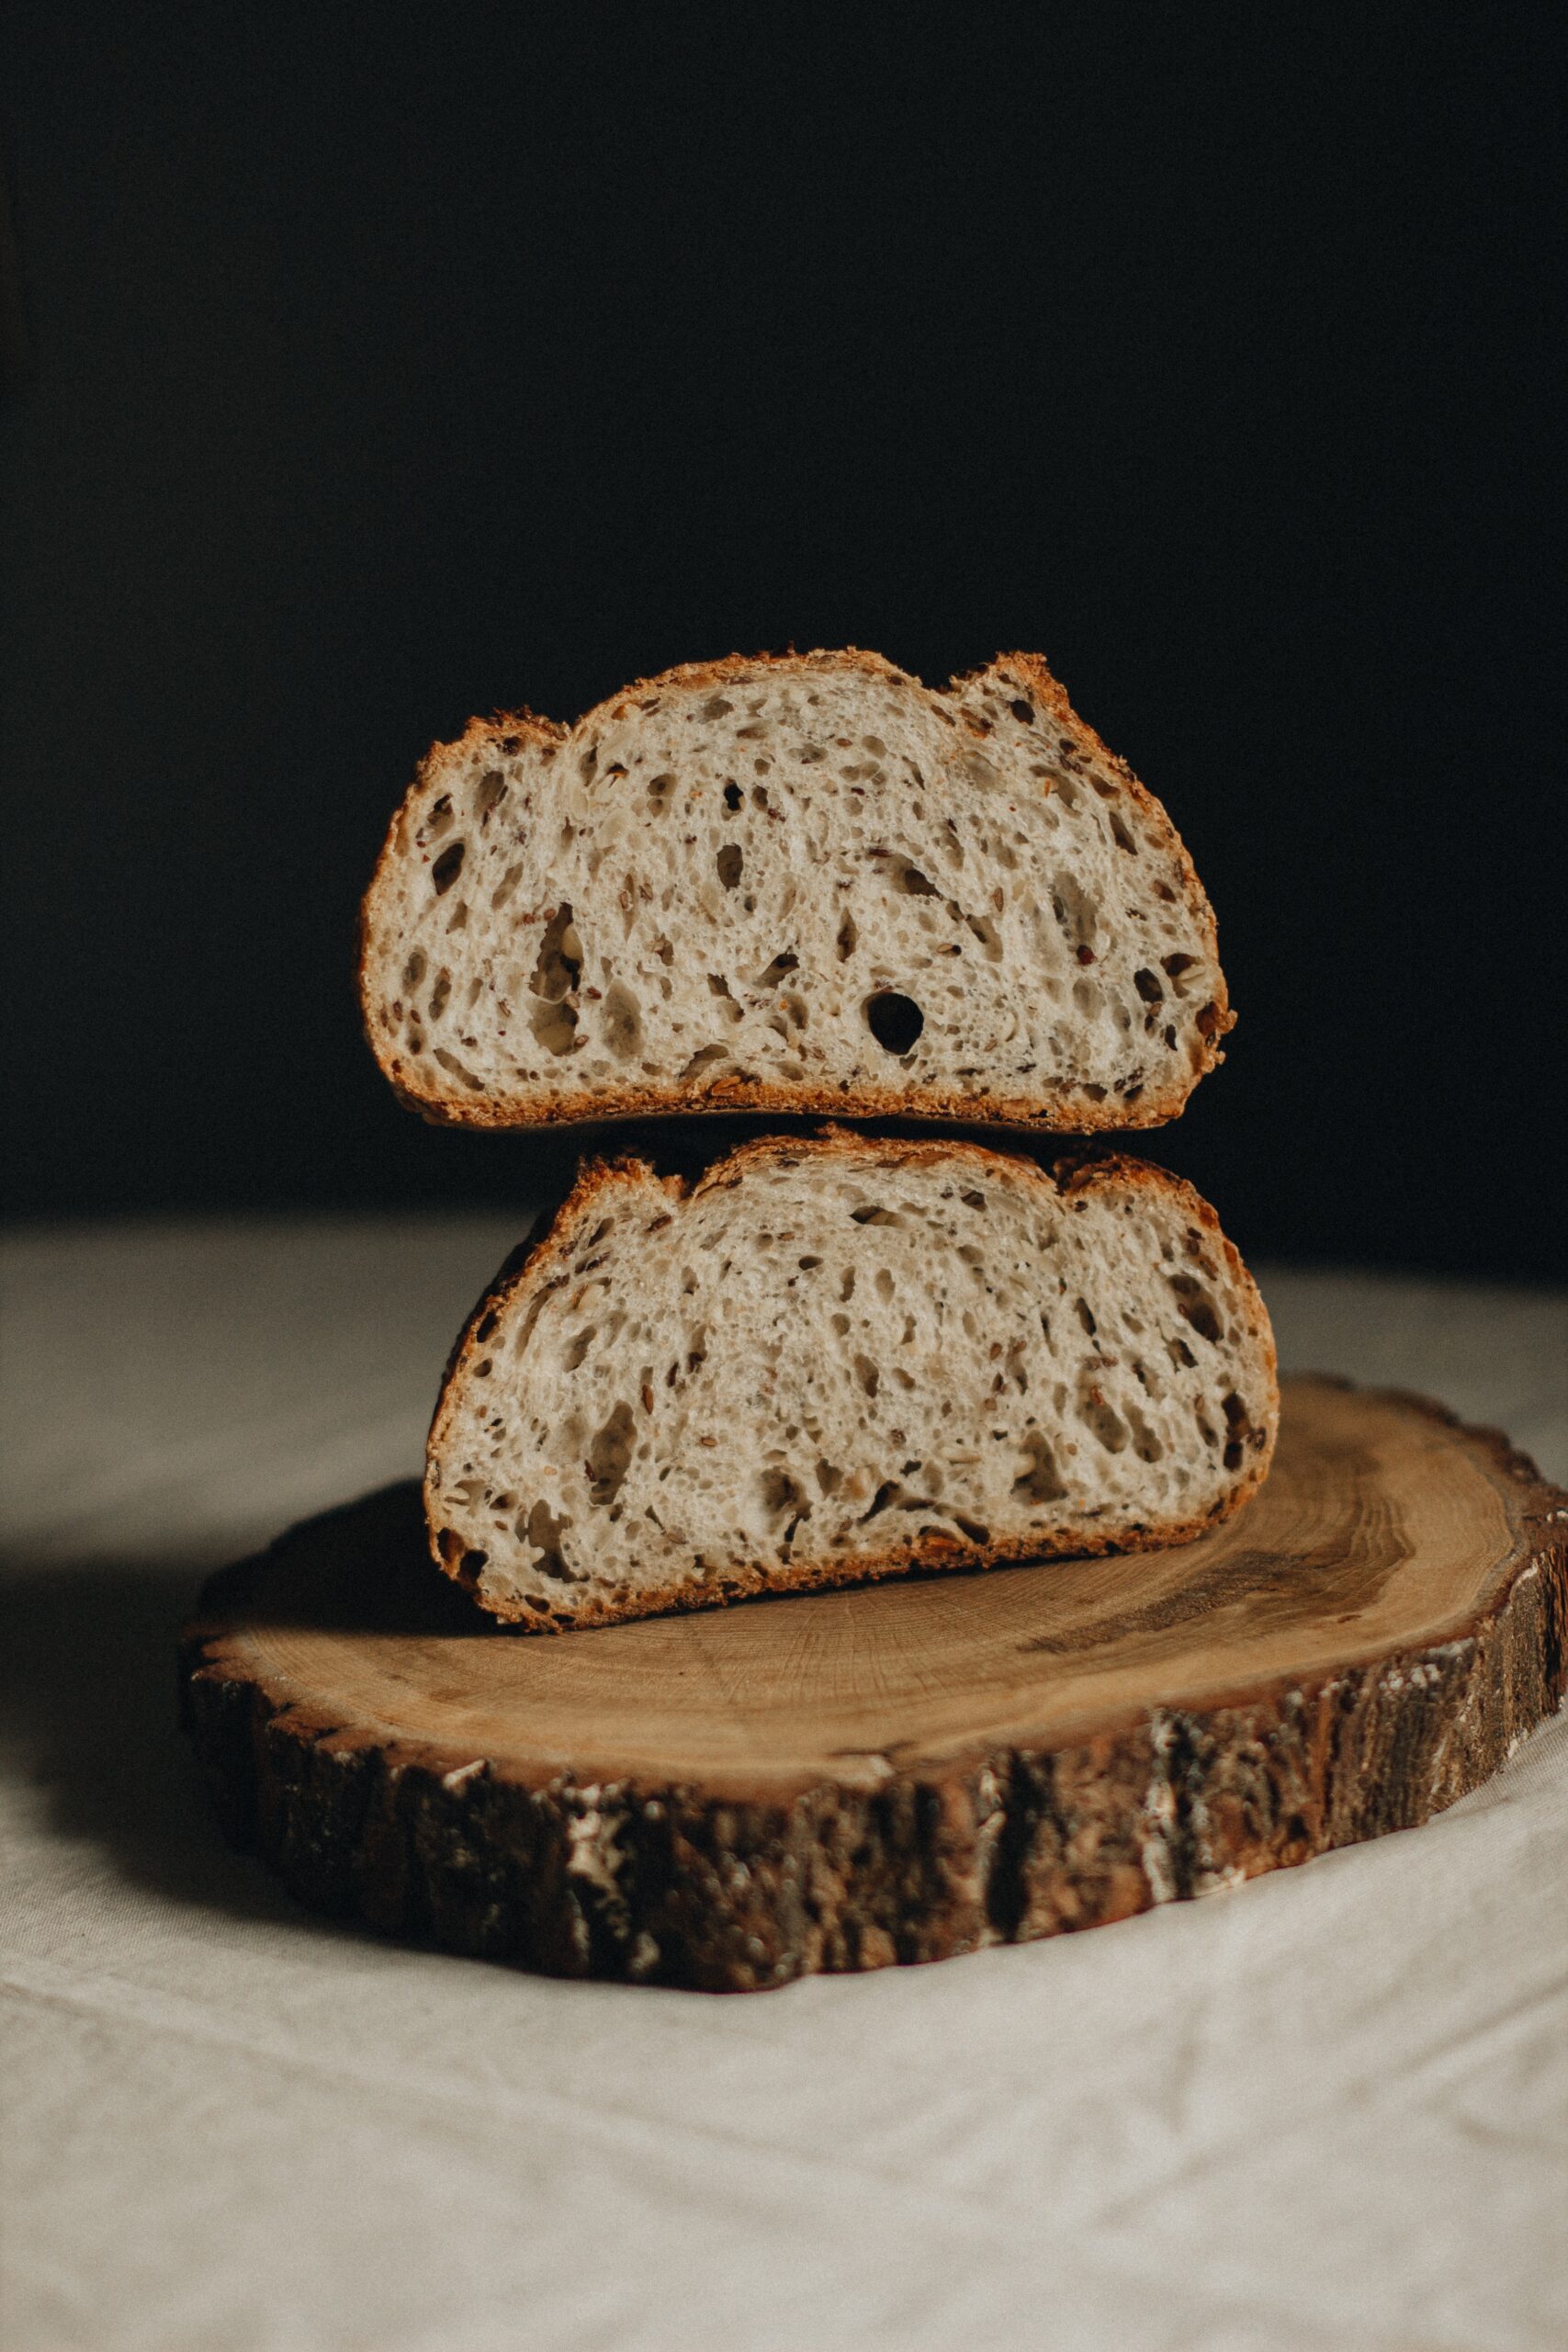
{"x": 671, "y": 1886}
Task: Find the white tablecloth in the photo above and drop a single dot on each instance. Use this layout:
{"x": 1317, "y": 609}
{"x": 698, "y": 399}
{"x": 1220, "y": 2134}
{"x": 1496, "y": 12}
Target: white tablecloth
{"x": 1329, "y": 2109}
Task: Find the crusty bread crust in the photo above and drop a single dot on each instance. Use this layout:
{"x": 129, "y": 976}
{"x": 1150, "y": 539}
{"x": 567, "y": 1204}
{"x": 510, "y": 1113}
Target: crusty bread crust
{"x": 420, "y": 1089}
{"x": 1071, "y": 1175}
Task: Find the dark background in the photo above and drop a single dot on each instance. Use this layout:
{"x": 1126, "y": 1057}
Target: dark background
{"x": 376, "y": 366}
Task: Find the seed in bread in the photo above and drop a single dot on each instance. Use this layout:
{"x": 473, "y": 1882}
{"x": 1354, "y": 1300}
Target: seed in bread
{"x": 803, "y": 883}
{"x": 835, "y": 1357}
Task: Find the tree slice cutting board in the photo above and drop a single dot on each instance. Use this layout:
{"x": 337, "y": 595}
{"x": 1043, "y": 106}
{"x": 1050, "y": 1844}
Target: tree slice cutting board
{"x": 900, "y": 1773}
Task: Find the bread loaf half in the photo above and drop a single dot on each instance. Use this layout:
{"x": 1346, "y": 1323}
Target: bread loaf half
{"x": 803, "y": 883}
{"x": 835, "y": 1357}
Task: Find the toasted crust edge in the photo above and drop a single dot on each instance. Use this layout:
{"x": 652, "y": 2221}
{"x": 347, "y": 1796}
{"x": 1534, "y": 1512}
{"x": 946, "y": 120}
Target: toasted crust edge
{"x": 535, "y": 1258}
{"x": 444, "y": 1106}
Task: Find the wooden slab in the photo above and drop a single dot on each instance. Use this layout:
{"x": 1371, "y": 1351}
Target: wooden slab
{"x": 900, "y": 1773}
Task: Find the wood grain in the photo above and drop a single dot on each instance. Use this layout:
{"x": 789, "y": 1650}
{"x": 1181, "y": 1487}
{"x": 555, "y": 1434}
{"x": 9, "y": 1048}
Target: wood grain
{"x": 901, "y": 1772}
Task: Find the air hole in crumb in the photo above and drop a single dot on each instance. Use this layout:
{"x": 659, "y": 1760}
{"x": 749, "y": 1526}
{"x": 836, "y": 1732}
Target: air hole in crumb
{"x": 448, "y": 867}
{"x": 544, "y": 1530}
{"x": 489, "y": 792}
{"x": 609, "y": 1456}
{"x": 894, "y": 1021}
{"x": 578, "y": 1347}
{"x": 867, "y": 1374}
{"x": 555, "y": 1027}
{"x": 848, "y": 936}
{"x": 414, "y": 969}
{"x": 780, "y": 1494}
{"x": 1039, "y": 1481}
{"x": 704, "y": 1058}
{"x": 1194, "y": 1306}
{"x": 1146, "y": 1444}
{"x": 1148, "y": 988}
{"x": 732, "y": 796}
{"x": 449, "y": 1061}
{"x": 730, "y": 861}
{"x": 1075, "y": 912}
{"x": 1103, "y": 1422}
{"x": 558, "y": 965}
{"x": 869, "y": 1213}
{"x": 776, "y": 970}
{"x": 1239, "y": 1426}
{"x": 621, "y": 1019}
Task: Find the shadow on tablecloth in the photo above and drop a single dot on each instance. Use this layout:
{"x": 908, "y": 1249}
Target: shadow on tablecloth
{"x": 89, "y": 1709}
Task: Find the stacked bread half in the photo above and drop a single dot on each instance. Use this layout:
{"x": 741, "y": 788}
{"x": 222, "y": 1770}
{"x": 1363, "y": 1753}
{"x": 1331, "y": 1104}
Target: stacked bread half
{"x": 799, "y": 887}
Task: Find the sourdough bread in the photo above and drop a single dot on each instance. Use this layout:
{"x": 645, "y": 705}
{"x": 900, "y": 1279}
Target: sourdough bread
{"x": 835, "y": 1357}
{"x": 803, "y": 883}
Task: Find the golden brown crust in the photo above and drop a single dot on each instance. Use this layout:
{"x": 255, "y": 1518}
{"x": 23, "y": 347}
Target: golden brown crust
{"x": 693, "y": 1099}
{"x": 508, "y": 730}
{"x": 1073, "y": 1174}
{"x": 417, "y": 1089}
{"x": 1033, "y": 672}
{"x": 731, "y": 667}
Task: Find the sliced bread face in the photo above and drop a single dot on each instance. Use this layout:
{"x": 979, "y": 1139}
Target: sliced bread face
{"x": 834, "y": 1358}
{"x": 807, "y": 884}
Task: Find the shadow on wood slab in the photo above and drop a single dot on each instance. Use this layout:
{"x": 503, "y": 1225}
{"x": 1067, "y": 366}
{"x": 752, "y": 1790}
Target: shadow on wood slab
{"x": 364, "y": 1568}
